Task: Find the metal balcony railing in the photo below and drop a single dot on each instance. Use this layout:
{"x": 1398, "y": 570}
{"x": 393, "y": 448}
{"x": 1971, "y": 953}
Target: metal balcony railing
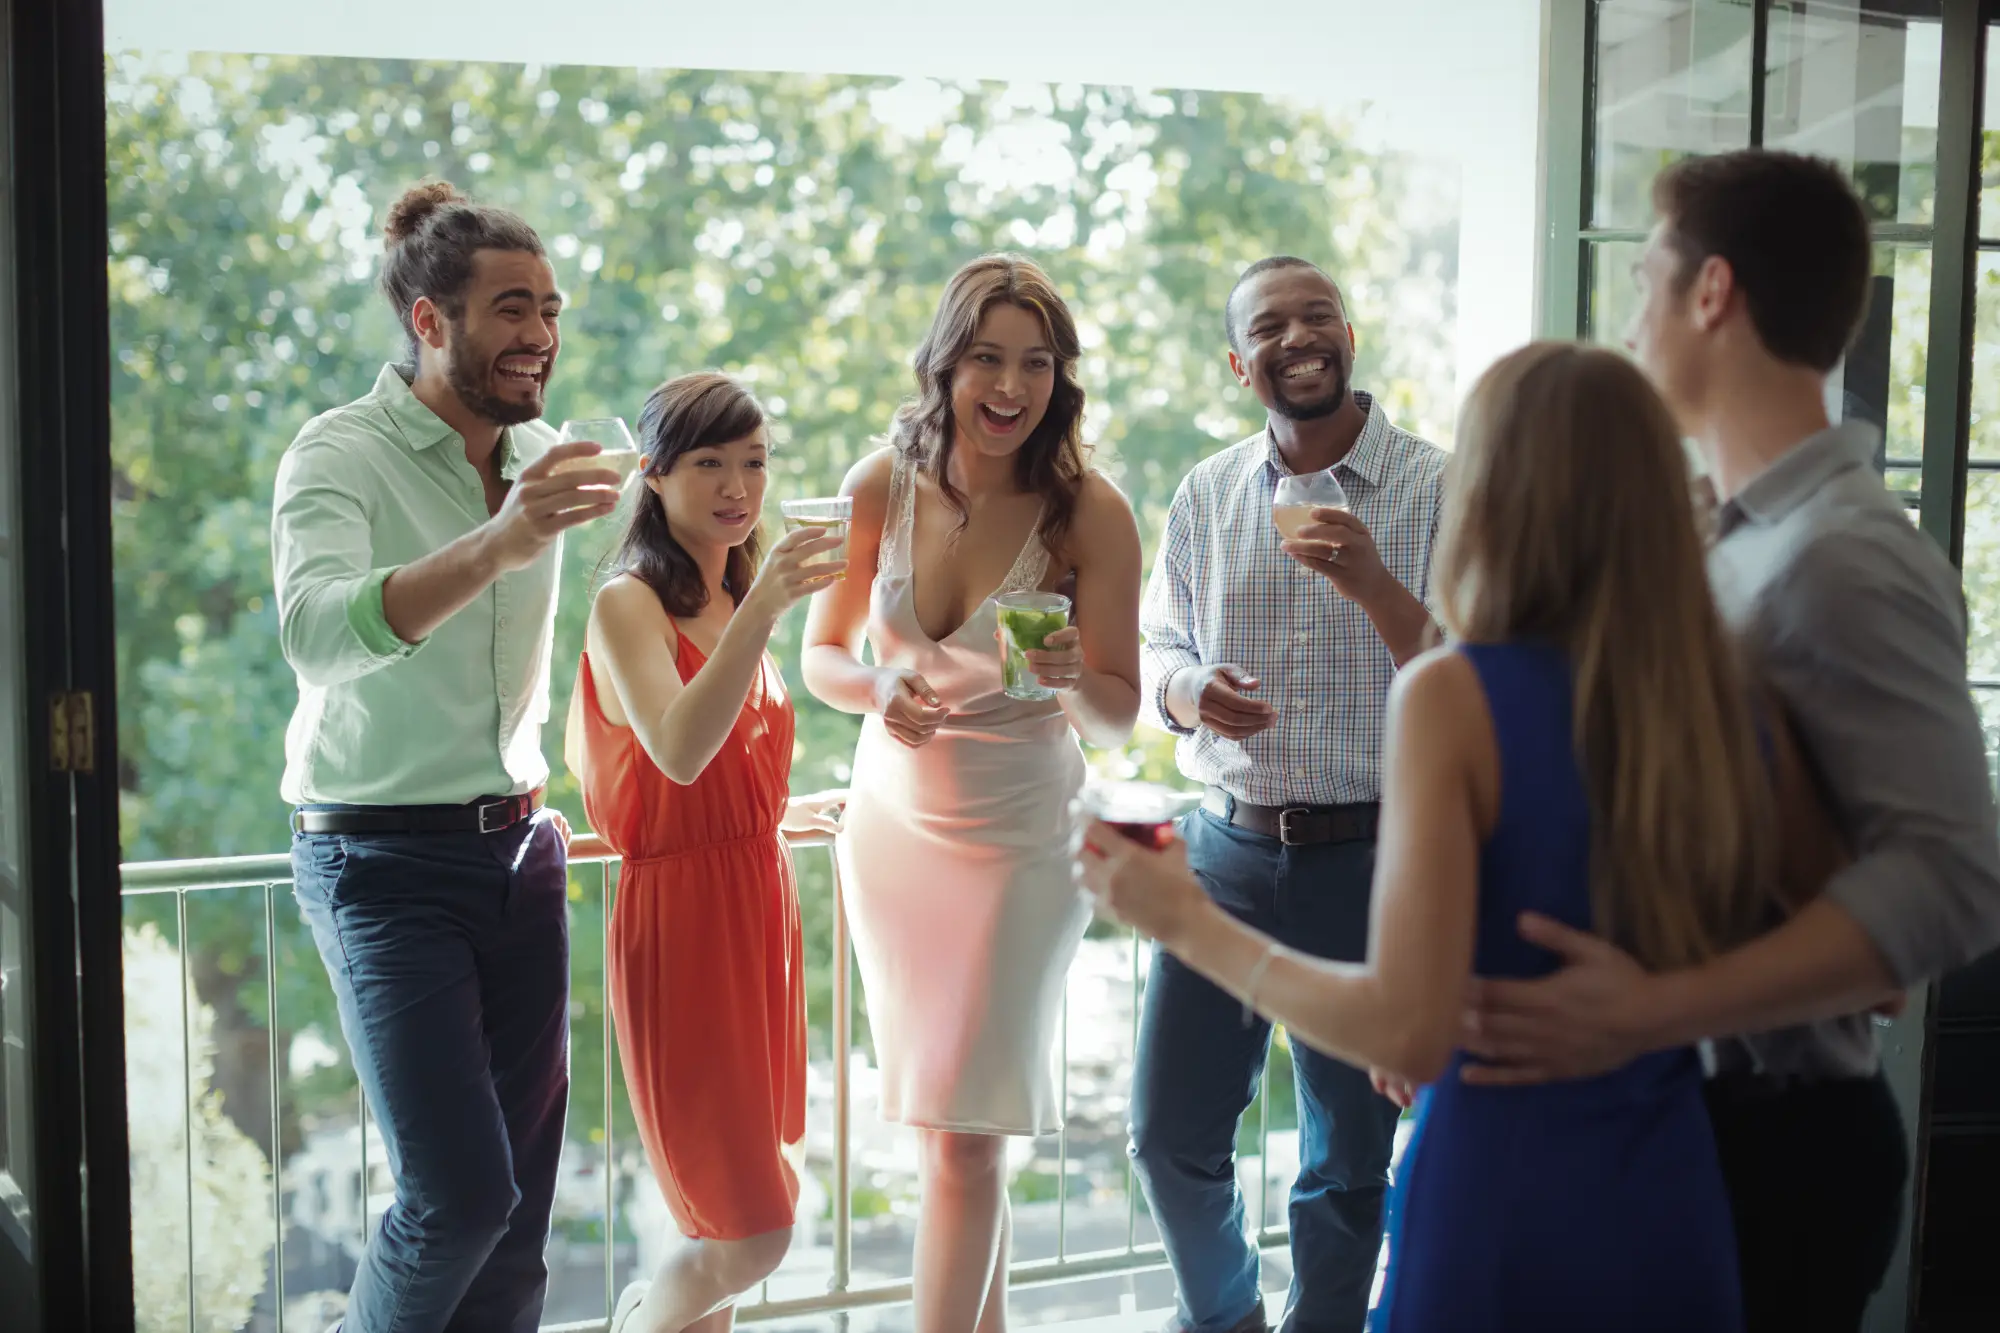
{"x": 186, "y": 881}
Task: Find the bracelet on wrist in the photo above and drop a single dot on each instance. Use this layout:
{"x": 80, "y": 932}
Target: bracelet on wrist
{"x": 1256, "y": 979}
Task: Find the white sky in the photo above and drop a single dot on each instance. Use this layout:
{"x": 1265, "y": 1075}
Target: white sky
{"x": 1455, "y": 80}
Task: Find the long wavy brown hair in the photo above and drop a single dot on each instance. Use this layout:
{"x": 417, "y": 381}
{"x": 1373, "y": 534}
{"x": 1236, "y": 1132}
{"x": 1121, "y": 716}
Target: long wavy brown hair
{"x": 1569, "y": 520}
{"x": 1050, "y": 462}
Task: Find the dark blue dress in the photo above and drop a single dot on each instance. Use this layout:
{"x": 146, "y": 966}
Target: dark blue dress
{"x": 1588, "y": 1206}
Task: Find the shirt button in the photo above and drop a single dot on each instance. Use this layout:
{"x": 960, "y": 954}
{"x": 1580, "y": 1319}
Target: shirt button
{"x": 1301, "y": 636}
{"x": 1298, "y": 772}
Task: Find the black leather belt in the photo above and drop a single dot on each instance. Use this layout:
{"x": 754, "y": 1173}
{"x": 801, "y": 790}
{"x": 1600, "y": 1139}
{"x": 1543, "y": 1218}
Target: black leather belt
{"x": 1295, "y": 825}
{"x": 488, "y": 814}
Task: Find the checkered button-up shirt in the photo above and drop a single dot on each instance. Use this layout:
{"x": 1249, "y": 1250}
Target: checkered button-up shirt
{"x": 1222, "y": 591}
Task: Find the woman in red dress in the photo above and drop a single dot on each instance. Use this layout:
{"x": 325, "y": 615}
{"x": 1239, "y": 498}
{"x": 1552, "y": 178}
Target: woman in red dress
{"x": 681, "y": 733}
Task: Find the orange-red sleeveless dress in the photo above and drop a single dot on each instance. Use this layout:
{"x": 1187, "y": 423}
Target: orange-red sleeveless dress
{"x": 706, "y": 965}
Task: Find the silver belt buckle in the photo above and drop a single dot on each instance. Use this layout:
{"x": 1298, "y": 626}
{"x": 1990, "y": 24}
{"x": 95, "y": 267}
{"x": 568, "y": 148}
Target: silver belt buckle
{"x": 500, "y": 810}
{"x": 1285, "y": 823}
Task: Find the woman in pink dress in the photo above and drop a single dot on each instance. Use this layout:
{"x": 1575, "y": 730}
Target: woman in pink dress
{"x": 954, "y": 846}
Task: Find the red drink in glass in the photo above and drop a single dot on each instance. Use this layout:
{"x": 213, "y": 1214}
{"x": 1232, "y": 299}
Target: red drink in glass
{"x": 1142, "y": 811}
{"x": 1154, "y": 836}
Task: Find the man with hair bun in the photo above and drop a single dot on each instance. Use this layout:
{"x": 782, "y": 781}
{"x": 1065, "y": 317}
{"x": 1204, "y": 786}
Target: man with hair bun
{"x": 416, "y": 537}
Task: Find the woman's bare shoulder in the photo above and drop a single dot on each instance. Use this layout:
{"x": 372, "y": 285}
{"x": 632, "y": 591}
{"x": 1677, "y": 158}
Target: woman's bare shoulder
{"x": 869, "y": 478}
{"x": 627, "y": 603}
{"x": 1102, "y": 525}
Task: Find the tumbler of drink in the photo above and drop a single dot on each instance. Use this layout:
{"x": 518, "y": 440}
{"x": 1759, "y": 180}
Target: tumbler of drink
{"x": 1026, "y": 620}
{"x": 1297, "y": 496}
{"x": 834, "y": 513}
{"x": 1143, "y": 811}
{"x": 620, "y": 451}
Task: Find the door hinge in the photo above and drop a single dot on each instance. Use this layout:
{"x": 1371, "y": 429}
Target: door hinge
{"x": 73, "y": 732}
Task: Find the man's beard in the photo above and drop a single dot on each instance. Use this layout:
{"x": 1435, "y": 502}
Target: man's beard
{"x": 1324, "y": 406}
{"x": 466, "y": 375}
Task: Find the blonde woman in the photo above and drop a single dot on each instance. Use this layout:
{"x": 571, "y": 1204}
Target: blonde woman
{"x": 1585, "y": 748}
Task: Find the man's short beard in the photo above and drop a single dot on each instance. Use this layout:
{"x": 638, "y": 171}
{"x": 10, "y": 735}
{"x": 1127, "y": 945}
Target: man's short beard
{"x": 1318, "y": 409}
{"x": 467, "y": 379}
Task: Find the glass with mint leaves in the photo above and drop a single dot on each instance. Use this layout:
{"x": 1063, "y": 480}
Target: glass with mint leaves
{"x": 1026, "y": 620}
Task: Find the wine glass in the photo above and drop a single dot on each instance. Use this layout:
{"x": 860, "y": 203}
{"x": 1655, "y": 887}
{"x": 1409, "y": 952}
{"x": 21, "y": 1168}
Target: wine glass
{"x": 1301, "y": 493}
{"x": 1143, "y": 811}
{"x": 620, "y": 450}
{"x": 1292, "y": 505}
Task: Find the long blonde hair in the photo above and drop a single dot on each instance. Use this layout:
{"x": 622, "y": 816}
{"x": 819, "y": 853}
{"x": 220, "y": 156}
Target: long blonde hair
{"x": 1568, "y": 519}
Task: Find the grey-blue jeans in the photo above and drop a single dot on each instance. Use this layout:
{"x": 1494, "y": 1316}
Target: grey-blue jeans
{"x": 1197, "y": 1071}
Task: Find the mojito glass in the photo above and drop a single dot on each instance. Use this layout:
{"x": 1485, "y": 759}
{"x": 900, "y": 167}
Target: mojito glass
{"x": 1026, "y": 619}
{"x": 834, "y": 513}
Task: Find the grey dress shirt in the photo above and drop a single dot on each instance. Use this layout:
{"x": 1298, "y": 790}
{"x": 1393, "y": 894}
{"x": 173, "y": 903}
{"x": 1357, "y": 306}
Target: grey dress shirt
{"x": 1858, "y": 622}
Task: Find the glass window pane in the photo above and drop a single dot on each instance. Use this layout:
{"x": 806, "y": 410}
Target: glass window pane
{"x": 1673, "y": 80}
{"x": 1985, "y": 422}
{"x": 1882, "y": 379}
{"x": 1988, "y": 700}
{"x": 1859, "y": 84}
{"x": 1614, "y": 290}
{"x": 1989, "y": 174}
{"x": 1982, "y": 574}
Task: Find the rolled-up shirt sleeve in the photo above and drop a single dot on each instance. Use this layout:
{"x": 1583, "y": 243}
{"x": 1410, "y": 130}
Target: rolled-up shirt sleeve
{"x": 1166, "y": 615}
{"x": 331, "y": 626}
{"x": 1869, "y": 654}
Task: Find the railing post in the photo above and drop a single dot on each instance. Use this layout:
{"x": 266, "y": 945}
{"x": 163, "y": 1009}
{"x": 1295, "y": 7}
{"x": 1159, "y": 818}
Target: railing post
{"x": 610, "y": 1117}
{"x": 1131, "y": 1174}
{"x": 843, "y": 1094}
{"x": 277, "y": 1122}
{"x": 187, "y": 1087}
{"x": 1264, "y": 1143}
{"x": 1062, "y": 1138}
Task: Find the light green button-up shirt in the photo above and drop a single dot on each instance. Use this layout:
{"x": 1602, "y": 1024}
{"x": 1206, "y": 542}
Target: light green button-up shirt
{"x": 364, "y": 489}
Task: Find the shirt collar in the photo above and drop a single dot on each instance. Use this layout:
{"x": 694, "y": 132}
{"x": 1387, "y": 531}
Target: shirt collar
{"x": 422, "y": 428}
{"x": 1368, "y": 458}
{"x": 1798, "y": 475}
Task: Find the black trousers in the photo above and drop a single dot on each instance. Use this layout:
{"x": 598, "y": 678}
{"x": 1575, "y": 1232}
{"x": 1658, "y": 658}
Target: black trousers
{"x": 1815, "y": 1174}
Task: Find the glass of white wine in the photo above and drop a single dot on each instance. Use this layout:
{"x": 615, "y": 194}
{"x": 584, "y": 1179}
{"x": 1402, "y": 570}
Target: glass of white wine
{"x": 834, "y": 513}
{"x": 1292, "y": 504}
{"x": 621, "y": 451}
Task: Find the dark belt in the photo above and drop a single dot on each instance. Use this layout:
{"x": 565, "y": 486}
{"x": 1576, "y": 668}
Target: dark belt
{"x": 1295, "y": 825}
{"x": 488, "y": 814}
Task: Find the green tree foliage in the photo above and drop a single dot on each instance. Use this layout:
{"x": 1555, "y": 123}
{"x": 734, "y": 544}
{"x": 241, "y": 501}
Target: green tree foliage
{"x": 792, "y": 229}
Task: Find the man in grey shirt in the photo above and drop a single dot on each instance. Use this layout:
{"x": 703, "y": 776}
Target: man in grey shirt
{"x": 1755, "y": 282}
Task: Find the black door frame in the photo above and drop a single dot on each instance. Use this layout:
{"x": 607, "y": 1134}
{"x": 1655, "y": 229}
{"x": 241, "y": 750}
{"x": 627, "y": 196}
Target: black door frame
{"x": 81, "y": 1275}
